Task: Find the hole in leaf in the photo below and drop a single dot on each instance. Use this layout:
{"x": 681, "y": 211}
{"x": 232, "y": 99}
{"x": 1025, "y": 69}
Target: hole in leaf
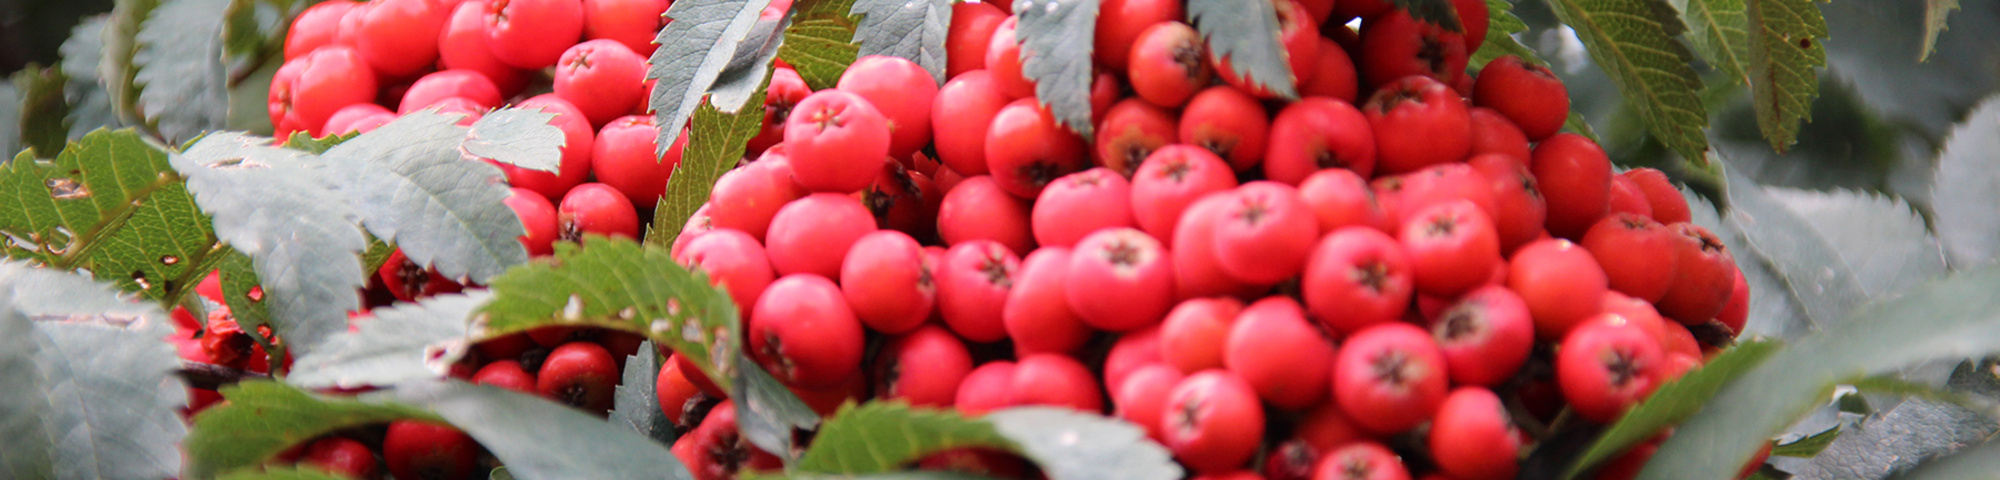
{"x": 67, "y": 189}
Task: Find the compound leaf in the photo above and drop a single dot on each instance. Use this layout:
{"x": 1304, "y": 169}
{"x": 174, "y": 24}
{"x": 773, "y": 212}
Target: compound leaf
{"x": 263, "y": 418}
{"x": 1935, "y": 13}
{"x": 413, "y": 188}
{"x": 1059, "y": 64}
{"x": 539, "y": 439}
{"x": 884, "y": 436}
{"x": 914, "y": 30}
{"x": 179, "y": 72}
{"x": 1967, "y": 186}
{"x": 1785, "y": 52}
{"x": 1635, "y": 44}
{"x": 1244, "y": 36}
{"x": 695, "y": 48}
{"x": 396, "y": 345}
{"x": 819, "y": 44}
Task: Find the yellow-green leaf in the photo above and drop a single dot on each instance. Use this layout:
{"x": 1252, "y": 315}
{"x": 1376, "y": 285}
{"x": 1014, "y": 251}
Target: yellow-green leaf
{"x": 1785, "y": 53}
{"x": 1716, "y": 29}
{"x": 1633, "y": 41}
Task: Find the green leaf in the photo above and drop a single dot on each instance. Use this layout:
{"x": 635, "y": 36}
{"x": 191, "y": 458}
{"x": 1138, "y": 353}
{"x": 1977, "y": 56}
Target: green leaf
{"x": 694, "y": 50}
{"x": 819, "y": 44}
{"x": 914, "y": 30}
{"x": 539, "y": 439}
{"x": 716, "y": 140}
{"x": 1881, "y": 238}
{"x": 120, "y": 44}
{"x": 635, "y": 402}
{"x": 82, "y": 55}
{"x": 244, "y": 295}
{"x": 1809, "y": 446}
{"x": 110, "y": 204}
{"x": 181, "y": 79}
{"x": 394, "y": 346}
{"x": 1812, "y": 271}
{"x": 255, "y": 29}
{"x": 1672, "y": 403}
{"x": 276, "y": 206}
{"x": 1440, "y": 12}
{"x": 377, "y": 254}
{"x": 1633, "y": 42}
{"x": 304, "y": 142}
{"x": 44, "y": 113}
{"x": 1967, "y": 186}
{"x": 282, "y": 473}
{"x": 413, "y": 188}
{"x": 1500, "y": 41}
{"x": 767, "y": 413}
{"x": 263, "y": 418}
{"x": 1975, "y": 463}
{"x": 1246, "y": 35}
{"x": 1718, "y": 31}
{"x": 614, "y": 283}
{"x": 885, "y": 436}
{"x": 26, "y": 448}
{"x": 1058, "y": 63}
{"x": 518, "y": 137}
{"x": 1935, "y": 13}
{"x": 1577, "y": 125}
{"x": 1786, "y": 49}
{"x": 1072, "y": 445}
{"x": 1953, "y": 318}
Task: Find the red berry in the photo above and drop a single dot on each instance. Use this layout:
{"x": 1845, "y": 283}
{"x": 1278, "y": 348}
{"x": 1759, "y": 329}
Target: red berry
{"x": 1339, "y": 198}
{"x": 1518, "y": 207}
{"x": 1662, "y": 198}
{"x": 307, "y": 90}
{"x": 1168, "y": 64}
{"x": 1627, "y": 198}
{"x": 804, "y": 332}
{"x": 1120, "y": 24}
{"x": 414, "y": 449}
{"x": 1230, "y": 123}
{"x": 1316, "y": 134}
{"x": 1576, "y": 177}
{"x": 1335, "y": 77}
{"x": 1170, "y": 180}
{"x": 985, "y": 389}
{"x": 977, "y": 209}
{"x": 971, "y": 31}
{"x": 786, "y": 90}
{"x": 463, "y": 45}
{"x": 1606, "y": 365}
{"x": 1213, "y": 422}
{"x": 813, "y": 234}
{"x": 1363, "y": 460}
{"x": 1629, "y": 247}
{"x": 1704, "y": 277}
{"x": 1528, "y": 94}
{"x": 603, "y": 78}
{"x": 626, "y": 158}
{"x": 747, "y": 198}
{"x": 1418, "y": 122}
{"x": 1131, "y": 131}
{"x": 902, "y": 91}
{"x": 399, "y": 38}
{"x": 1266, "y": 233}
{"x": 1131, "y": 352}
{"x": 1319, "y": 432}
{"x": 1452, "y": 247}
{"x": 580, "y": 374}
{"x": 342, "y": 456}
{"x": 444, "y": 84}
{"x": 505, "y": 374}
{"x": 1197, "y": 273}
{"x": 596, "y": 208}
{"x": 409, "y": 281}
{"x": 1357, "y": 277}
{"x": 1396, "y": 45}
{"x": 1474, "y": 17}
{"x": 1473, "y": 436}
{"x": 923, "y": 367}
{"x": 1003, "y": 58}
{"x": 317, "y": 26}
{"x": 1485, "y": 337}
{"x": 1026, "y": 149}
{"x": 578, "y": 141}
{"x": 1081, "y": 203}
{"x": 836, "y": 140}
{"x": 973, "y": 287}
{"x": 1736, "y": 313}
{"x": 1142, "y": 399}
{"x": 960, "y": 115}
{"x": 733, "y": 261}
{"x": 357, "y": 118}
{"x": 1120, "y": 279}
{"x": 1280, "y": 354}
{"x": 632, "y": 23}
{"x": 1493, "y": 133}
{"x": 888, "y": 282}
{"x": 1194, "y": 333}
{"x": 676, "y": 393}
{"x": 718, "y": 450}
{"x": 1389, "y": 377}
{"x": 532, "y": 34}
{"x": 1037, "y": 314}
{"x": 1553, "y": 277}
{"x": 1055, "y": 380}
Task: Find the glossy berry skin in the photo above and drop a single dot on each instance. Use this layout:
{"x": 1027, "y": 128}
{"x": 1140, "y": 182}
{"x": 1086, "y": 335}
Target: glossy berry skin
{"x": 888, "y": 282}
{"x": 1662, "y": 198}
{"x": 603, "y": 78}
{"x": 717, "y": 449}
{"x": 1736, "y": 313}
{"x": 342, "y": 456}
{"x": 973, "y": 287}
{"x": 421, "y": 450}
{"x": 1629, "y": 247}
{"x": 923, "y": 367}
{"x": 813, "y": 234}
{"x": 986, "y": 389}
{"x": 580, "y": 374}
{"x": 1195, "y": 332}
{"x": 1606, "y": 365}
{"x": 1197, "y": 272}
{"x": 1452, "y": 247}
{"x": 1120, "y": 24}
{"x": 1055, "y": 380}
{"x": 1551, "y": 276}
{"x": 1485, "y": 336}
{"x": 1280, "y": 353}
{"x": 1003, "y": 58}
{"x": 307, "y": 90}
{"x": 1212, "y": 421}
{"x": 409, "y": 281}
{"x": 978, "y": 209}
{"x": 748, "y": 197}
{"x": 443, "y": 84}
{"x": 1120, "y": 279}
{"x": 1475, "y": 17}
{"x": 1131, "y": 352}
{"x": 1519, "y": 209}
{"x": 1575, "y": 176}
{"x": 1704, "y": 276}
{"x": 1168, "y": 64}
{"x": 677, "y": 393}
{"x": 625, "y": 158}
{"x": 836, "y": 140}
{"x": 1081, "y": 203}
{"x": 1339, "y": 198}
{"x": 1335, "y": 77}
{"x": 961, "y": 113}
{"x": 1494, "y": 133}
{"x": 1395, "y": 45}
{"x": 357, "y": 118}
{"x": 1528, "y": 94}
{"x": 971, "y": 31}
{"x": 505, "y": 374}
{"x": 1357, "y": 277}
{"x": 1131, "y": 131}
{"x": 1228, "y": 122}
{"x": 1319, "y": 432}
{"x": 1390, "y": 377}
{"x": 1473, "y": 438}
{"x": 400, "y": 37}
{"x": 1266, "y": 233}
{"x": 1436, "y": 185}
{"x": 317, "y": 26}
{"x": 1170, "y": 180}
{"x": 804, "y": 332}
{"x": 632, "y": 23}
{"x": 578, "y": 141}
{"x": 1418, "y": 122}
{"x": 1316, "y": 134}
{"x": 1037, "y": 314}
{"x": 596, "y": 208}
{"x": 787, "y": 88}
{"x": 1627, "y": 198}
{"x": 463, "y": 46}
{"x": 902, "y": 91}
{"x": 1026, "y": 149}
{"x": 532, "y": 34}
{"x": 1363, "y": 460}
{"x": 1142, "y": 399}
{"x": 733, "y": 261}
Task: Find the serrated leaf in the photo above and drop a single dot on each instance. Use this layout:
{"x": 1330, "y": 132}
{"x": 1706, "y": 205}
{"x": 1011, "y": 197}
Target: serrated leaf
{"x": 819, "y": 44}
{"x": 716, "y": 140}
{"x": 1718, "y": 30}
{"x": 1245, "y": 33}
{"x": 1773, "y": 311}
{"x": 1060, "y": 65}
{"x": 395, "y": 346}
{"x": 263, "y": 418}
{"x": 377, "y": 254}
{"x": 1633, "y": 42}
{"x": 1814, "y": 273}
{"x": 914, "y": 30}
{"x": 613, "y": 283}
{"x": 518, "y": 137}
{"x": 26, "y": 448}
{"x": 181, "y": 79}
{"x": 113, "y": 400}
{"x": 1440, "y": 12}
{"x": 1881, "y": 238}
{"x": 1913, "y": 432}
{"x": 695, "y": 48}
{"x": 1500, "y": 42}
{"x": 275, "y": 205}
{"x": 1072, "y": 445}
{"x": 1947, "y": 319}
{"x": 635, "y": 402}
{"x": 1935, "y": 13}
{"x": 82, "y": 55}
{"x": 1809, "y": 446}
{"x": 282, "y": 473}
{"x": 1672, "y": 403}
{"x": 884, "y": 436}
{"x": 256, "y": 29}
{"x": 1967, "y": 186}
{"x": 50, "y": 295}
{"x": 413, "y": 188}
{"x": 1785, "y": 52}
{"x": 43, "y": 111}
{"x": 751, "y": 78}
{"x": 767, "y": 413}
{"x": 1577, "y": 125}
{"x": 110, "y": 204}
{"x": 539, "y": 439}
{"x": 305, "y": 142}
{"x": 120, "y": 44}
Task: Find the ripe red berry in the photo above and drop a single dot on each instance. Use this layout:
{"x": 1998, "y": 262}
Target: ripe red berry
{"x": 1575, "y": 176}
{"x": 580, "y": 374}
{"x": 1357, "y": 277}
{"x": 307, "y": 90}
{"x": 414, "y": 449}
{"x": 1396, "y": 45}
{"x": 1554, "y": 277}
{"x": 985, "y": 389}
{"x": 357, "y": 118}
{"x": 1119, "y": 26}
{"x": 1280, "y": 354}
{"x": 409, "y": 281}
{"x": 923, "y": 367}
{"x": 1197, "y": 273}
{"x": 1003, "y": 58}
{"x": 1704, "y": 276}
{"x": 902, "y": 91}
{"x": 961, "y": 113}
{"x": 1131, "y": 352}
{"x": 1266, "y": 233}
{"x": 1518, "y": 207}
{"x": 1493, "y": 133}
{"x": 971, "y": 31}
{"x": 1528, "y": 94}
{"x": 1474, "y": 438}
{"x": 1316, "y": 134}
{"x": 1213, "y": 422}
{"x": 1340, "y": 198}
{"x": 400, "y": 37}
{"x": 1120, "y": 279}
{"x": 1607, "y": 364}
{"x": 1335, "y": 77}
{"x": 1230, "y": 123}
{"x": 1142, "y": 399}
{"x": 1627, "y": 198}
{"x": 342, "y": 456}
{"x": 317, "y": 26}
{"x": 1194, "y": 333}
{"x": 1485, "y": 337}
{"x": 1171, "y": 179}
{"x": 718, "y": 450}
{"x": 1474, "y": 16}
{"x": 1055, "y": 380}
{"x": 837, "y": 141}
{"x": 977, "y": 209}
{"x": 505, "y": 374}
{"x": 1452, "y": 247}
{"x": 1736, "y": 313}
{"x": 443, "y": 84}
{"x": 733, "y": 261}
{"x": 539, "y": 217}
{"x": 786, "y": 90}
{"x": 1319, "y": 432}
{"x": 888, "y": 281}
{"x": 1168, "y": 64}
{"x": 1662, "y": 198}
{"x": 1037, "y": 314}
{"x": 973, "y": 287}
{"x": 532, "y": 34}
{"x": 1026, "y": 149}
{"x": 603, "y": 78}
{"x": 813, "y": 234}
{"x": 1131, "y": 131}
{"x": 1418, "y": 122}
{"x": 1362, "y": 460}
{"x": 1390, "y": 377}
{"x": 804, "y": 332}
{"x": 1629, "y": 248}
{"x": 463, "y": 46}
{"x": 626, "y": 158}
{"x": 578, "y": 141}
{"x": 632, "y": 23}
{"x": 1081, "y": 203}
{"x": 596, "y": 208}
{"x": 677, "y": 394}
{"x": 747, "y": 198}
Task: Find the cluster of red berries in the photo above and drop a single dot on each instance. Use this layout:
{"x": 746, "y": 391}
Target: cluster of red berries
{"x": 1329, "y": 276}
